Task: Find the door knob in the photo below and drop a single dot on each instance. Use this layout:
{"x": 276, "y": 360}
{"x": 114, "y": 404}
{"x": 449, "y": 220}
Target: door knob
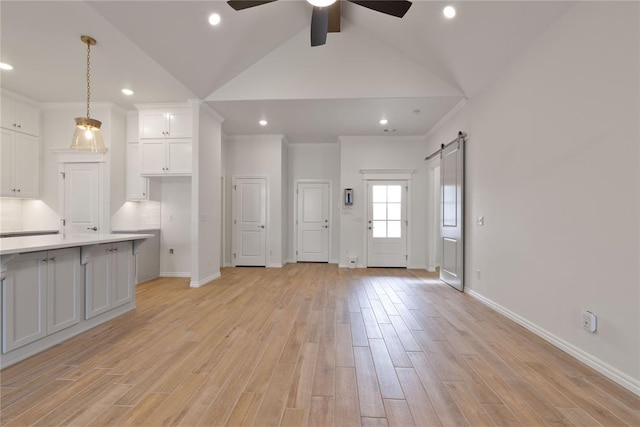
{"x": 92, "y": 228}
{"x": 325, "y": 226}
{"x": 261, "y": 226}
{"x": 369, "y": 228}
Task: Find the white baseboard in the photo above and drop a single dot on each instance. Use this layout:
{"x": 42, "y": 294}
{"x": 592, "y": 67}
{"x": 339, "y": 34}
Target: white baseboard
{"x": 605, "y": 369}
{"x": 198, "y": 283}
{"x": 416, "y": 267}
{"x": 274, "y": 265}
{"x": 174, "y": 274}
{"x": 431, "y": 269}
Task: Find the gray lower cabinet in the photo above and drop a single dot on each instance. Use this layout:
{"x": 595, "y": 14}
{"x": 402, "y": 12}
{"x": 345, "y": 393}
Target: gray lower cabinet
{"x": 110, "y": 276}
{"x": 40, "y": 296}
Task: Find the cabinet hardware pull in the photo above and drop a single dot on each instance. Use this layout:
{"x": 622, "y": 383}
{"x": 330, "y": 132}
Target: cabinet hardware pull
{"x": 52, "y": 258}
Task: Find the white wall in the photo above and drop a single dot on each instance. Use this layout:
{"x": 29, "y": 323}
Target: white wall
{"x": 383, "y": 153}
{"x": 175, "y": 223}
{"x": 259, "y": 156}
{"x": 553, "y": 166}
{"x": 206, "y": 213}
{"x": 319, "y": 161}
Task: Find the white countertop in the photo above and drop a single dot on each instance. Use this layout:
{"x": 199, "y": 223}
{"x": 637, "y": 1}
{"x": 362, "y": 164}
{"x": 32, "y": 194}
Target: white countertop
{"x": 14, "y": 245}
{"x": 26, "y": 232}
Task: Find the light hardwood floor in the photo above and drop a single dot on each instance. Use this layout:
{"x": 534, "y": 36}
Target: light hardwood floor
{"x": 310, "y": 344}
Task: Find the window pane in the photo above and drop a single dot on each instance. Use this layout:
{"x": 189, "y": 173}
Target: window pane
{"x": 394, "y": 229}
{"x": 379, "y": 193}
{"x": 379, "y": 211}
{"x": 394, "y": 193}
{"x": 379, "y": 228}
{"x": 395, "y": 211}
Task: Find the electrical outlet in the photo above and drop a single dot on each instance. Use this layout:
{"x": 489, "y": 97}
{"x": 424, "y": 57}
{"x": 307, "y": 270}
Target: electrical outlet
{"x": 477, "y": 273}
{"x": 589, "y": 321}
{"x": 170, "y": 251}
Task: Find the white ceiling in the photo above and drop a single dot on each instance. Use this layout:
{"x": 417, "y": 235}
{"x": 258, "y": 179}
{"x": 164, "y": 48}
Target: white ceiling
{"x": 258, "y": 63}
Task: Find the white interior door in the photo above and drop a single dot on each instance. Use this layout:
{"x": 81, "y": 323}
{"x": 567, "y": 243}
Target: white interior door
{"x": 313, "y": 222}
{"x": 82, "y": 198}
{"x": 250, "y": 220}
{"x": 452, "y": 218}
{"x": 387, "y": 224}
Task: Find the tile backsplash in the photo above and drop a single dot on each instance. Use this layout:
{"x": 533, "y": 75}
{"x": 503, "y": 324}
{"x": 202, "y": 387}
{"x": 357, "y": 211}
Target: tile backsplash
{"x": 10, "y": 214}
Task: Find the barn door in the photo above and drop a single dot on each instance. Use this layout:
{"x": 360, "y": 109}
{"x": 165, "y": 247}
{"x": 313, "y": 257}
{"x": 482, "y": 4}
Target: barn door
{"x": 452, "y": 214}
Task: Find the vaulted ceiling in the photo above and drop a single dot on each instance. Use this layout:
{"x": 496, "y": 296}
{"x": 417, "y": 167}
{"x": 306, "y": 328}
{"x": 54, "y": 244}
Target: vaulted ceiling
{"x": 258, "y": 63}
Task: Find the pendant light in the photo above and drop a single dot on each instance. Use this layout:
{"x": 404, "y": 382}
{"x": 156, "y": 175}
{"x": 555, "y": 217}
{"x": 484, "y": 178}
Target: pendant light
{"x": 87, "y": 136}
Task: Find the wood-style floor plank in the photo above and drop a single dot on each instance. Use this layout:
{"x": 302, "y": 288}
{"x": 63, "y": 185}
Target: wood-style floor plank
{"x": 309, "y": 345}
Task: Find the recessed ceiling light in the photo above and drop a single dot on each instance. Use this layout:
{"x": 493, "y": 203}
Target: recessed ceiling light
{"x": 384, "y": 121}
{"x": 321, "y": 3}
{"x": 449, "y": 12}
{"x": 263, "y": 122}
{"x": 5, "y": 66}
{"x": 214, "y": 19}
{"x": 127, "y": 92}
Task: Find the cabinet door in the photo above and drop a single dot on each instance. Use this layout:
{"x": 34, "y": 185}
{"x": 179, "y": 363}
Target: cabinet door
{"x": 64, "y": 281}
{"x": 123, "y": 273}
{"x": 7, "y": 163}
{"x": 153, "y": 124}
{"x": 136, "y": 185}
{"x": 179, "y": 156}
{"x": 27, "y": 177}
{"x": 24, "y": 301}
{"x": 97, "y": 279}
{"x": 180, "y": 124}
{"x": 8, "y": 119}
{"x": 152, "y": 157}
{"x": 28, "y": 119}
{"x": 148, "y": 265}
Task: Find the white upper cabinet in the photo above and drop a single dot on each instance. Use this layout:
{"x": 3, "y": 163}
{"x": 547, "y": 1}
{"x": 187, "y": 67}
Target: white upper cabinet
{"x": 176, "y": 122}
{"x": 19, "y": 165}
{"x": 137, "y": 186}
{"x": 165, "y": 140}
{"x": 20, "y": 116}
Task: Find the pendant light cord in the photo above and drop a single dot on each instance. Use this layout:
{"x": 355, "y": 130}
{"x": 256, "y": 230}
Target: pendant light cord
{"x": 88, "y": 76}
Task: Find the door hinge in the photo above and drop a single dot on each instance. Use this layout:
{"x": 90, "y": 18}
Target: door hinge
{"x": 406, "y": 222}
{"x": 296, "y": 222}
{"x": 234, "y": 221}
{"x": 406, "y": 257}
{"x": 64, "y": 175}
{"x": 296, "y": 252}
{"x": 235, "y": 187}
{"x": 406, "y": 188}
{"x": 234, "y": 256}
{"x": 297, "y": 191}
{"x": 64, "y": 221}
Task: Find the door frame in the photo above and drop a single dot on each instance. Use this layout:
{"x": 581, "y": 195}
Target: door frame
{"x": 295, "y": 214}
{"x": 384, "y": 175}
{"x": 234, "y": 215}
{"x": 433, "y": 215}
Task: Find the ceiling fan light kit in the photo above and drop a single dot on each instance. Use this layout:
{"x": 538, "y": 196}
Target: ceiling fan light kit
{"x": 324, "y": 18}
{"x": 87, "y": 136}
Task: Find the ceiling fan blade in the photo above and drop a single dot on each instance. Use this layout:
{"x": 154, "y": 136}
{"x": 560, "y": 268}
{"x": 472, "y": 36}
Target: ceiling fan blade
{"x": 246, "y": 4}
{"x": 390, "y": 7}
{"x": 334, "y": 17}
{"x": 319, "y": 25}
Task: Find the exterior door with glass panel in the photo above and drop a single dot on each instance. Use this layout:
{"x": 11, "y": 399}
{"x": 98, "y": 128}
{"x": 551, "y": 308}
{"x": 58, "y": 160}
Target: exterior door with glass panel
{"x": 313, "y": 222}
{"x": 250, "y": 203}
{"x": 452, "y": 215}
{"x": 387, "y": 224}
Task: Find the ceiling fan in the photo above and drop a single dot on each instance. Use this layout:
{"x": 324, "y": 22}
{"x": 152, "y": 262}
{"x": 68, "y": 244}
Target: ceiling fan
{"x": 326, "y": 13}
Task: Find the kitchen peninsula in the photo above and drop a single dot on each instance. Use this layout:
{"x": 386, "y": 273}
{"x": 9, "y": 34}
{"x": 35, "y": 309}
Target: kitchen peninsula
{"x": 57, "y": 286}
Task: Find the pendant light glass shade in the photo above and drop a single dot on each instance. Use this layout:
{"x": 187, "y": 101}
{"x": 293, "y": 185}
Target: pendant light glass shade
{"x": 87, "y": 136}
